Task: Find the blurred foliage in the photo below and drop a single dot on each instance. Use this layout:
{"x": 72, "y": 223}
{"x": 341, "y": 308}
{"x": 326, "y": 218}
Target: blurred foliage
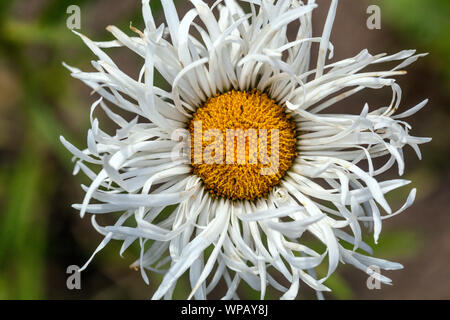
{"x": 426, "y": 24}
{"x": 39, "y": 102}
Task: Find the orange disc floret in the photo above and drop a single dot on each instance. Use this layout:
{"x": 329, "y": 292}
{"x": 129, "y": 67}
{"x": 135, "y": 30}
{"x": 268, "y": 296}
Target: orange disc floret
{"x": 242, "y": 144}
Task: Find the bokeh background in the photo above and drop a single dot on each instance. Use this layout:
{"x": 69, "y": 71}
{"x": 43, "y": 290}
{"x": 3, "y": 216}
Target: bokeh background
{"x": 41, "y": 235}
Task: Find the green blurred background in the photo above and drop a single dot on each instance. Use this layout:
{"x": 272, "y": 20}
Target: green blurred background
{"x": 41, "y": 235}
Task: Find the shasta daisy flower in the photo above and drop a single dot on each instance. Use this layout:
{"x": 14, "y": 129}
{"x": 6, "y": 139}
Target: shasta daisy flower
{"x": 235, "y": 74}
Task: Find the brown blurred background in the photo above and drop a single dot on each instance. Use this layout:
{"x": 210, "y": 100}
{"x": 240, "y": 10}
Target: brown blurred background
{"x": 41, "y": 235}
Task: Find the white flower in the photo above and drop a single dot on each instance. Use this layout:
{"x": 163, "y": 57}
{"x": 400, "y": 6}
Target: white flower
{"x": 324, "y": 192}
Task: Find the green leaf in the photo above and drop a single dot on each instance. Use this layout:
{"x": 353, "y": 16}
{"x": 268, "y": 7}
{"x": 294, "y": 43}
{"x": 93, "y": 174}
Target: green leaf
{"x": 398, "y": 244}
{"x": 22, "y": 229}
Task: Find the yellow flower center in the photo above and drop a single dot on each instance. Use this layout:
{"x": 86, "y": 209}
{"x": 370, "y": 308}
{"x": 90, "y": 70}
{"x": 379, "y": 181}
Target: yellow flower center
{"x": 242, "y": 144}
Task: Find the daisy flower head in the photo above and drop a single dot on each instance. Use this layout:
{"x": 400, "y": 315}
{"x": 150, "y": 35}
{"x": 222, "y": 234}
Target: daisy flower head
{"x": 225, "y": 174}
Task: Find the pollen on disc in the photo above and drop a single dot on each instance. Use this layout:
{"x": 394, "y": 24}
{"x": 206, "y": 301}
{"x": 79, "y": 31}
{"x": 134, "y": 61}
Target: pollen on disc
{"x": 242, "y": 144}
